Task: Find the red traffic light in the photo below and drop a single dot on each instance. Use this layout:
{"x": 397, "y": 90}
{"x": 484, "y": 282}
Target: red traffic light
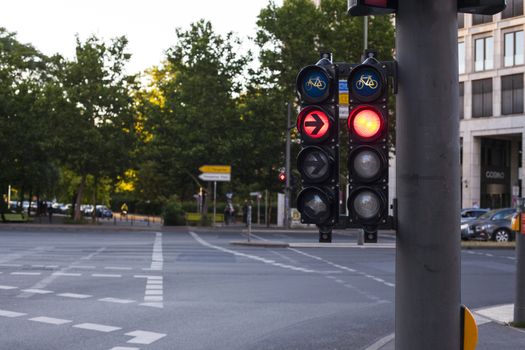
{"x": 314, "y": 124}
{"x": 282, "y": 177}
{"x": 366, "y": 123}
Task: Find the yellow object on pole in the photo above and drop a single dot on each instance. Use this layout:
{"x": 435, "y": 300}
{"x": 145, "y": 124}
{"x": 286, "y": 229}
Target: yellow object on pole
{"x": 221, "y": 169}
{"x": 469, "y": 331}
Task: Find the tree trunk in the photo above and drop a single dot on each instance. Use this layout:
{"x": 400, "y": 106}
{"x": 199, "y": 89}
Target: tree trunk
{"x": 80, "y": 193}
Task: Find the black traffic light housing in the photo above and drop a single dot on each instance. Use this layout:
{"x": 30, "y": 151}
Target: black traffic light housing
{"x": 368, "y": 152}
{"x": 383, "y": 7}
{"x": 318, "y": 160}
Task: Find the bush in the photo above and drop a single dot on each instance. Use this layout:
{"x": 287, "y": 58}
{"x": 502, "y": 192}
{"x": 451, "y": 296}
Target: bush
{"x": 173, "y": 214}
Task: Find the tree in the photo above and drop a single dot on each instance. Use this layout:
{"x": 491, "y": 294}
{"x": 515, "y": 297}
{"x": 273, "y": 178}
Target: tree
{"x": 98, "y": 118}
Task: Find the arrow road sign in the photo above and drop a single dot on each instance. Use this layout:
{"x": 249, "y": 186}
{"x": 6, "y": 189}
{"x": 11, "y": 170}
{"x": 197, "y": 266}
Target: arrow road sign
{"x": 215, "y": 177}
{"x": 224, "y": 169}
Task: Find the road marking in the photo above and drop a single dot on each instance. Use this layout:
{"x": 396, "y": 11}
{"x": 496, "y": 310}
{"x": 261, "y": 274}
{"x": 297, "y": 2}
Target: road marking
{"x": 148, "y": 276}
{"x": 157, "y": 260}
{"x": 8, "y": 287}
{"x": 501, "y": 313}
{"x": 37, "y": 291}
{"x": 66, "y": 274}
{"x": 87, "y": 267}
{"x": 118, "y": 268}
{"x": 143, "y": 337}
{"x": 381, "y": 342}
{"x": 6, "y": 313}
{"x": 123, "y": 348}
{"x": 97, "y": 327}
{"x": 106, "y": 275}
{"x": 154, "y": 292}
{"x": 153, "y": 298}
{"x": 153, "y": 295}
{"x": 26, "y": 273}
{"x": 249, "y": 256}
{"x": 49, "y": 279}
{"x": 11, "y": 265}
{"x": 117, "y": 300}
{"x": 74, "y": 295}
{"x": 50, "y": 320}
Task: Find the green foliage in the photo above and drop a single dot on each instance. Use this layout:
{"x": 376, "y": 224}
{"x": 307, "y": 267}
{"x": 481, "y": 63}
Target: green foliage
{"x": 173, "y": 214}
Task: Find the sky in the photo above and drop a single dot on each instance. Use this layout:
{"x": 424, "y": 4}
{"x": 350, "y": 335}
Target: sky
{"x": 149, "y": 25}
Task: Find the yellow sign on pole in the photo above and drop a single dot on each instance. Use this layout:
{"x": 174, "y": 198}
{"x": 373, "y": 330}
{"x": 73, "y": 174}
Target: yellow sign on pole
{"x": 469, "y": 329}
{"x": 343, "y": 98}
{"x": 221, "y": 169}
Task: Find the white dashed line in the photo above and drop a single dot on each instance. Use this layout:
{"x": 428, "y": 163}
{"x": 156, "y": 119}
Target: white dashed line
{"x": 5, "y": 313}
{"x": 85, "y": 267}
{"x": 97, "y": 327}
{"x": 123, "y": 348}
{"x": 37, "y": 291}
{"x": 8, "y": 287}
{"x": 26, "y": 273}
{"x": 50, "y": 320}
{"x": 143, "y": 337}
{"x": 117, "y": 300}
{"x": 11, "y": 265}
{"x": 74, "y": 295}
{"x": 106, "y": 275}
{"x": 153, "y": 298}
{"x": 118, "y": 268}
{"x": 66, "y": 274}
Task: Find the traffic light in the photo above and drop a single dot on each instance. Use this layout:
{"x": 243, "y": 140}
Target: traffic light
{"x": 282, "y": 177}
{"x": 371, "y": 7}
{"x": 481, "y": 7}
{"x": 318, "y": 160}
{"x": 368, "y": 147}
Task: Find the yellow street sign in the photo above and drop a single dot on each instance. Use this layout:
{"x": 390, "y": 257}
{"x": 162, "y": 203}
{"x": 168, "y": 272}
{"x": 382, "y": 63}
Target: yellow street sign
{"x": 469, "y": 329}
{"x": 343, "y": 98}
{"x": 222, "y": 169}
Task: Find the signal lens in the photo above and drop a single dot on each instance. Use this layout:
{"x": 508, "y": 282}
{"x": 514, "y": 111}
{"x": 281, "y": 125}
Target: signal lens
{"x": 366, "y": 164}
{"x": 366, "y": 123}
{"x": 282, "y": 177}
{"x": 366, "y": 204}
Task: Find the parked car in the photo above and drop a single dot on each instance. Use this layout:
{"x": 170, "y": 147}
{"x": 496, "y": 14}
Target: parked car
{"x": 469, "y": 214}
{"x": 104, "y": 212}
{"x": 493, "y": 225}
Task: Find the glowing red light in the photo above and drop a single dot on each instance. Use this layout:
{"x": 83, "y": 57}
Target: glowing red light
{"x": 282, "y": 177}
{"x": 314, "y": 123}
{"x": 366, "y": 123}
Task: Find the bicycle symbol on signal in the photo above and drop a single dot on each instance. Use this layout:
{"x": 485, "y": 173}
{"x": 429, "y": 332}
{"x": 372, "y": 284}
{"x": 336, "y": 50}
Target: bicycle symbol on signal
{"x": 317, "y": 83}
{"x": 366, "y": 80}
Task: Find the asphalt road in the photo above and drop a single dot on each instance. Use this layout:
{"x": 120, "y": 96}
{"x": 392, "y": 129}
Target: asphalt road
{"x": 191, "y": 289}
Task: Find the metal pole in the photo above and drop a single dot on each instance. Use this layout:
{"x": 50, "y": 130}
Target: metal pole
{"x": 428, "y": 239}
{"x": 365, "y": 32}
{"x": 519, "y": 305}
{"x": 267, "y": 223}
{"x": 287, "y": 170}
{"x": 214, "y": 201}
{"x": 259, "y": 208}
{"x": 9, "y": 196}
{"x": 249, "y": 222}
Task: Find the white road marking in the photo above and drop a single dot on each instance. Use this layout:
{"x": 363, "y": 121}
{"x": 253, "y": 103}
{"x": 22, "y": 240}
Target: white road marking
{"x": 157, "y": 260}
{"x": 106, "y": 275}
{"x": 153, "y": 304}
{"x": 50, "y": 320}
{"x": 153, "y": 295}
{"x": 66, "y": 274}
{"x": 500, "y": 313}
{"x": 381, "y": 342}
{"x": 8, "y": 287}
{"x": 49, "y": 279}
{"x": 154, "y": 292}
{"x": 37, "y": 291}
{"x": 26, "y": 273}
{"x": 153, "y": 298}
{"x": 154, "y": 286}
{"x": 123, "y": 348}
{"x": 6, "y": 313}
{"x": 117, "y": 300}
{"x": 97, "y": 327}
{"x": 118, "y": 268}
{"x": 148, "y": 276}
{"x": 11, "y": 265}
{"x": 86, "y": 267}
{"x": 143, "y": 337}
{"x": 74, "y": 295}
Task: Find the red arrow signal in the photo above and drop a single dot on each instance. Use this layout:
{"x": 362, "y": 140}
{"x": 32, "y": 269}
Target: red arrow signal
{"x": 314, "y": 124}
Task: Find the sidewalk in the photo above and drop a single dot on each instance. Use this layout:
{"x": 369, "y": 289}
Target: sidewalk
{"x": 494, "y": 331}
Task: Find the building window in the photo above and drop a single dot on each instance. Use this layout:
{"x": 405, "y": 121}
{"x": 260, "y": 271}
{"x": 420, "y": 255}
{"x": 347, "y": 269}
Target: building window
{"x": 514, "y": 8}
{"x": 483, "y": 59}
{"x": 461, "y": 20}
{"x": 481, "y": 19}
{"x": 461, "y": 101}
{"x": 513, "y": 49}
{"x": 461, "y": 57}
{"x": 481, "y": 98}
{"x": 512, "y": 94}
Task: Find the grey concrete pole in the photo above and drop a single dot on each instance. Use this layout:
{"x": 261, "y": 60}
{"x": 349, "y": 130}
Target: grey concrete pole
{"x": 519, "y": 305}
{"x": 427, "y": 153}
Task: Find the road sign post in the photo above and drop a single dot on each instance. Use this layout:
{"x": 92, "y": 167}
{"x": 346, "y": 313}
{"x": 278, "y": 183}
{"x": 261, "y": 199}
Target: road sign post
{"x": 215, "y": 173}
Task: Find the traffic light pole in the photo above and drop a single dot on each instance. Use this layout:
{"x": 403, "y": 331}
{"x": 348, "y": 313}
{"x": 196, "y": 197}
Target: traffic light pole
{"x": 427, "y": 153}
{"x": 287, "y": 170}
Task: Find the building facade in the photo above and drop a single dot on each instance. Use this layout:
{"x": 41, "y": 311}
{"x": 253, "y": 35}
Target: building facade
{"x": 491, "y": 106}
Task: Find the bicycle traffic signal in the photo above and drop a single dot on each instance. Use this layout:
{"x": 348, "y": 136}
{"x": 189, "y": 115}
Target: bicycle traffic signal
{"x": 318, "y": 160}
{"x": 368, "y": 147}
